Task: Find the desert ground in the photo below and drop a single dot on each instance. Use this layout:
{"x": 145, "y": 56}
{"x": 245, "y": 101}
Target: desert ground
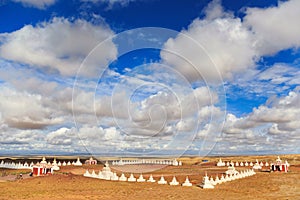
{"x": 68, "y": 183}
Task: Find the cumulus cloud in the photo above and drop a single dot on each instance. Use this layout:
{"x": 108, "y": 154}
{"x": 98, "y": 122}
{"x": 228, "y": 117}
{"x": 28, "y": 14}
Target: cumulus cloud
{"x": 60, "y": 46}
{"x": 216, "y": 46}
{"x": 276, "y": 28}
{"x": 268, "y": 123}
{"x": 25, "y": 111}
{"x": 40, "y": 4}
{"x": 223, "y": 45}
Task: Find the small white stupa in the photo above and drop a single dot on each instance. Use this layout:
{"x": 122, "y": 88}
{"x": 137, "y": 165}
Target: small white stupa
{"x": 228, "y": 164}
{"x": 141, "y": 179}
{"x": 217, "y": 180}
{"x": 87, "y": 173}
{"x": 174, "y": 181}
{"x": 43, "y": 161}
{"x": 187, "y": 182}
{"x": 261, "y": 164}
{"x": 123, "y": 177}
{"x": 267, "y": 164}
{"x": 212, "y": 181}
{"x": 231, "y": 170}
{"x": 206, "y": 184}
{"x": 237, "y": 164}
{"x": 59, "y": 163}
{"x": 241, "y": 164}
{"x": 257, "y": 166}
{"x": 246, "y": 164}
{"x": 251, "y": 164}
{"x": 222, "y": 180}
{"x": 55, "y": 165}
{"x": 114, "y": 177}
{"x": 131, "y": 178}
{"x": 106, "y": 172}
{"x": 78, "y": 163}
{"x": 69, "y": 163}
{"x": 220, "y": 163}
{"x": 94, "y": 175}
{"x": 151, "y": 180}
{"x": 162, "y": 180}
{"x": 64, "y": 163}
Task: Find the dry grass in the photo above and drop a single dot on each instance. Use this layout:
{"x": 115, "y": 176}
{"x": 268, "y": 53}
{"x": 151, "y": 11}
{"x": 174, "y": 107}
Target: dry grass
{"x": 68, "y": 185}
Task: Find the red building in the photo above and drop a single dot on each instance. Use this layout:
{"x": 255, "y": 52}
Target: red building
{"x": 91, "y": 161}
{"x": 280, "y": 166}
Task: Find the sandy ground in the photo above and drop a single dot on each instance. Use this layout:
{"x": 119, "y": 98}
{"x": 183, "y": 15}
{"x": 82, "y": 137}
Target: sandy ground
{"x": 70, "y": 184}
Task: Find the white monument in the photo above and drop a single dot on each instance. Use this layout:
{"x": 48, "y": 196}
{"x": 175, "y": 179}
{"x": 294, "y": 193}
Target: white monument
{"x": 162, "y": 180}
{"x": 141, "y": 178}
{"x": 151, "y": 180}
{"x": 174, "y": 181}
{"x": 187, "y": 182}
{"x": 206, "y": 184}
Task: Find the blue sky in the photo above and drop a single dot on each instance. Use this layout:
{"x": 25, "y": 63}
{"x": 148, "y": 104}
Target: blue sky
{"x": 135, "y": 77}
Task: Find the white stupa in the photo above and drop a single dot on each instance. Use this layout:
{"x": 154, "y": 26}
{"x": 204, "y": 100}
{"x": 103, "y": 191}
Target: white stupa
{"x": 106, "y": 172}
{"x": 220, "y": 163}
{"x": 206, "y": 184}
{"x": 100, "y": 175}
{"x": 93, "y": 174}
{"x": 87, "y": 173}
{"x": 69, "y": 163}
{"x": 251, "y": 164}
{"x": 54, "y": 162}
{"x": 141, "y": 179}
{"x": 257, "y": 166}
{"x": 174, "y": 181}
{"x": 43, "y": 161}
{"x": 267, "y": 164}
{"x": 237, "y": 164}
{"x": 228, "y": 164}
{"x": 162, "y": 180}
{"x": 287, "y": 164}
{"x": 59, "y": 163}
{"x": 217, "y": 180}
{"x": 131, "y": 178}
{"x": 212, "y": 181}
{"x": 246, "y": 164}
{"x": 78, "y": 163}
{"x": 187, "y": 182}
{"x": 64, "y": 163}
{"x": 231, "y": 170}
{"x": 151, "y": 180}
{"x": 123, "y": 177}
{"x": 261, "y": 164}
{"x": 222, "y": 180}
{"x": 180, "y": 163}
{"x": 241, "y": 164}
{"x": 114, "y": 177}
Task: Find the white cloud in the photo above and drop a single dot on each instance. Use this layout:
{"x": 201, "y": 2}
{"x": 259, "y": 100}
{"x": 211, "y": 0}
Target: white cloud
{"x": 216, "y": 45}
{"x": 112, "y": 3}
{"x": 40, "y": 4}
{"x": 276, "y": 28}
{"x": 60, "y": 46}
{"x": 26, "y": 111}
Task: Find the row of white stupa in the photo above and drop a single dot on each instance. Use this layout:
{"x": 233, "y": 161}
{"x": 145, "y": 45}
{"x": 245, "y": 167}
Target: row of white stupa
{"x": 132, "y": 178}
{"x": 55, "y": 164}
{"x": 208, "y": 183}
{"x": 241, "y": 164}
{"x": 107, "y": 174}
{"x": 147, "y": 161}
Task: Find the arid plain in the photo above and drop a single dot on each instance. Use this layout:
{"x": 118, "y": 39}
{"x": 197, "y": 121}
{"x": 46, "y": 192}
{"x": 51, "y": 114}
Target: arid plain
{"x": 69, "y": 183}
